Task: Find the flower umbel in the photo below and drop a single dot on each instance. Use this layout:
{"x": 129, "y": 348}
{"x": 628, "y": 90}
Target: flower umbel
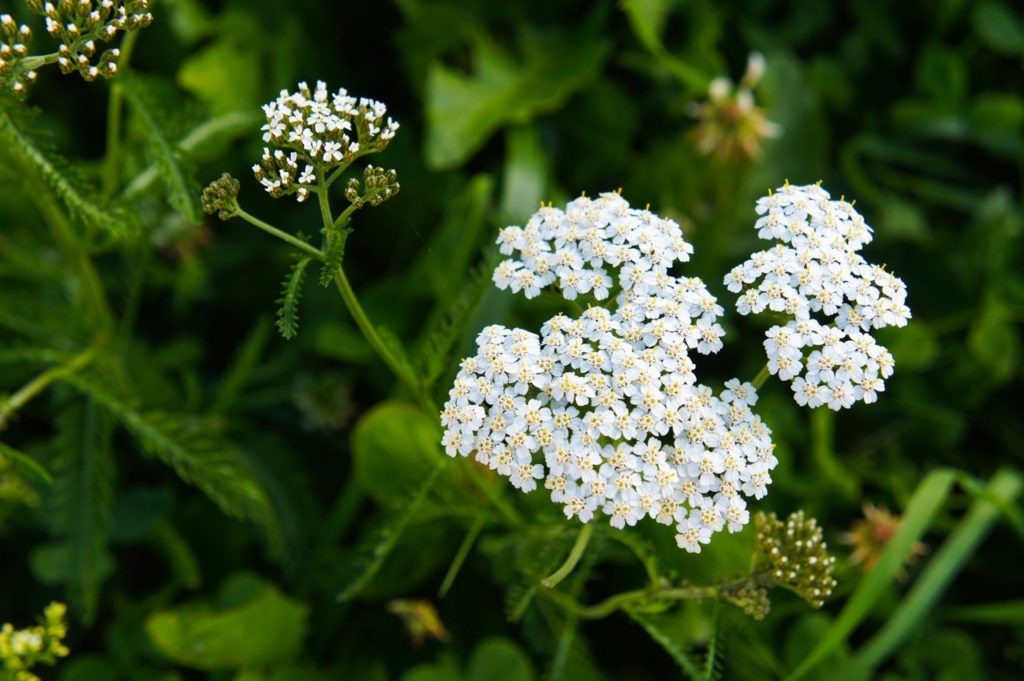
{"x": 221, "y": 197}
{"x": 796, "y": 556}
{"x": 818, "y": 272}
{"x": 14, "y": 40}
{"x": 310, "y": 133}
{"x": 605, "y": 409}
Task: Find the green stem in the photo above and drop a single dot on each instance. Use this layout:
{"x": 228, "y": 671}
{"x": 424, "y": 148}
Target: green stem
{"x": 284, "y": 236}
{"x": 33, "y": 63}
{"x": 462, "y": 553}
{"x": 823, "y": 451}
{"x": 41, "y": 382}
{"x": 582, "y": 539}
{"x": 761, "y": 377}
{"x": 115, "y": 115}
{"x": 626, "y": 599}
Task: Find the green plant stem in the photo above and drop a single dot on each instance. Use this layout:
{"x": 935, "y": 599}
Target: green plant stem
{"x": 626, "y": 599}
{"x": 33, "y": 63}
{"x": 115, "y": 115}
{"x": 761, "y": 377}
{"x": 823, "y": 451}
{"x": 284, "y": 236}
{"x": 462, "y": 553}
{"x": 367, "y": 328}
{"x": 582, "y": 539}
{"x": 41, "y": 382}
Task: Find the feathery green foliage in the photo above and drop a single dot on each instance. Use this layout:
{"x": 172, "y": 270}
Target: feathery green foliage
{"x": 179, "y": 181}
{"x": 668, "y": 643}
{"x": 36, "y": 159}
{"x": 291, "y": 294}
{"x": 81, "y": 502}
{"x": 368, "y": 558}
{"x": 197, "y": 456}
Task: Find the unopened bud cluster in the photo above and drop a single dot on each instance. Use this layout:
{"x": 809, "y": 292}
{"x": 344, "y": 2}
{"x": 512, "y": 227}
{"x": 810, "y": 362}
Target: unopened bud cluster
{"x": 378, "y": 186}
{"x": 796, "y": 556}
{"x": 23, "y": 649}
{"x": 14, "y": 41}
{"x": 313, "y": 132}
{"x": 221, "y": 197}
{"x": 80, "y": 25}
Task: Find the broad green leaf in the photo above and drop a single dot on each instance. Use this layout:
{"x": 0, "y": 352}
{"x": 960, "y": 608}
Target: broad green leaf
{"x": 223, "y": 75}
{"x": 499, "y": 659}
{"x": 940, "y": 571}
{"x": 526, "y": 174}
{"x": 928, "y": 498}
{"x": 464, "y": 110}
{"x": 393, "y": 447}
{"x": 265, "y": 628}
{"x": 999, "y": 27}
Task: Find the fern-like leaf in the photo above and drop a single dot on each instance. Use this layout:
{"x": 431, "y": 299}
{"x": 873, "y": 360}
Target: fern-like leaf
{"x": 332, "y": 260}
{"x": 448, "y": 324}
{"x": 25, "y": 462}
{"x": 198, "y": 457}
{"x": 244, "y": 363}
{"x": 374, "y": 549}
{"x": 56, "y": 173}
{"x": 713, "y": 657}
{"x": 178, "y": 178}
{"x": 670, "y": 645}
{"x": 291, "y": 293}
{"x": 81, "y": 503}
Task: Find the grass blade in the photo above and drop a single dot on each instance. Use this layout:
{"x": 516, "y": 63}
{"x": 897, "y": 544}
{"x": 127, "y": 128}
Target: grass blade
{"x": 928, "y": 498}
{"x": 941, "y": 570}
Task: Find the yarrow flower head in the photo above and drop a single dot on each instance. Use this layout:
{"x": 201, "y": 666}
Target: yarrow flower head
{"x": 605, "y": 410}
{"x": 833, "y": 295}
{"x": 313, "y": 132}
{"x": 221, "y": 197}
{"x": 23, "y": 649}
{"x": 80, "y": 25}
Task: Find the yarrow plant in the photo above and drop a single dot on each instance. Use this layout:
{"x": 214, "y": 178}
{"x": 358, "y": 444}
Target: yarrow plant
{"x": 23, "y": 649}
{"x": 834, "y": 297}
{"x": 606, "y": 408}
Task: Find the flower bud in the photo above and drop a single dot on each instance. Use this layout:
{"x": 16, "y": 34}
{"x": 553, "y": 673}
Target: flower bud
{"x": 221, "y": 197}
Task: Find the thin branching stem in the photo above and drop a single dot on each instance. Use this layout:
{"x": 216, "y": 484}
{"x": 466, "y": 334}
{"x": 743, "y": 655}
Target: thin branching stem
{"x": 280, "y": 234}
{"x": 627, "y": 599}
{"x": 115, "y": 115}
{"x": 582, "y": 539}
{"x": 761, "y": 377}
{"x": 41, "y": 382}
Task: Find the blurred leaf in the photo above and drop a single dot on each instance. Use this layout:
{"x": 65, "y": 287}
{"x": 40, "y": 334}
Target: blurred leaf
{"x": 929, "y": 496}
{"x": 998, "y": 27}
{"x": 393, "y": 447}
{"x": 1009, "y": 613}
{"x": 463, "y": 111}
{"x": 499, "y": 659}
{"x": 225, "y": 74}
{"x": 993, "y": 341}
{"x": 264, "y": 628}
{"x": 138, "y": 511}
{"x": 526, "y": 174}
{"x": 89, "y": 668}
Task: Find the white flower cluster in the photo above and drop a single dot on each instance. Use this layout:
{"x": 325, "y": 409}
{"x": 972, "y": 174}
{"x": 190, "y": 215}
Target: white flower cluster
{"x": 605, "y": 409}
{"x": 14, "y": 41}
{"x": 818, "y": 270}
{"x": 314, "y": 132}
{"x": 80, "y": 24}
